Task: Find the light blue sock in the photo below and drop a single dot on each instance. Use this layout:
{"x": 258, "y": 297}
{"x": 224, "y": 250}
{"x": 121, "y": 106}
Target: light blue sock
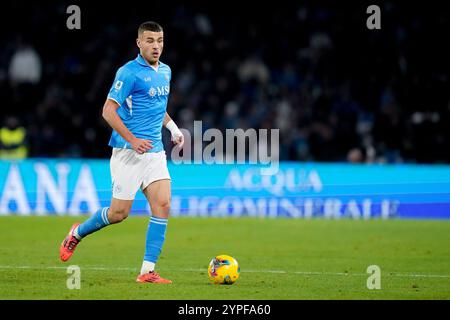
{"x": 96, "y": 222}
{"x": 156, "y": 233}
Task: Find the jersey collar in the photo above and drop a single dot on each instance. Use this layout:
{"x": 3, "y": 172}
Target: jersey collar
{"x": 140, "y": 59}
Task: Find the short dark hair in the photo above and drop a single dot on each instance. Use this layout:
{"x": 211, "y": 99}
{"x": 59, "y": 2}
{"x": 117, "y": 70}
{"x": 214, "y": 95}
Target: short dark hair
{"x": 149, "y": 26}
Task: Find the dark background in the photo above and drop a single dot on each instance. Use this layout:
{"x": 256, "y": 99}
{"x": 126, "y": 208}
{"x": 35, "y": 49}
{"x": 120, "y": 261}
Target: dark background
{"x": 336, "y": 90}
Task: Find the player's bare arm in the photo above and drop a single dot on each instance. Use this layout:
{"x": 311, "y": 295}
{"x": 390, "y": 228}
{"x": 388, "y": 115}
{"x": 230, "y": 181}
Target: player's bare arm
{"x": 110, "y": 115}
{"x": 177, "y": 135}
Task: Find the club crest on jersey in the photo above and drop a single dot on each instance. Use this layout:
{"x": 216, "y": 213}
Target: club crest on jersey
{"x": 159, "y": 91}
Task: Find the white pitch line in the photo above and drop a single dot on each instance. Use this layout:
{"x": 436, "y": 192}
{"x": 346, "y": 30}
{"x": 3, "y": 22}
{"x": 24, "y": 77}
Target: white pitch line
{"x": 328, "y": 273}
{"x": 422, "y": 275}
{"x": 98, "y": 268}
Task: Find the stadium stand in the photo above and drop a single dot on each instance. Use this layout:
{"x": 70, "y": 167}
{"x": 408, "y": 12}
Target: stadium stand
{"x": 336, "y": 90}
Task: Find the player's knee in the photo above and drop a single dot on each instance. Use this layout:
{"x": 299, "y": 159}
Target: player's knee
{"x": 121, "y": 217}
{"x": 117, "y": 215}
{"x": 162, "y": 206}
{"x": 165, "y": 205}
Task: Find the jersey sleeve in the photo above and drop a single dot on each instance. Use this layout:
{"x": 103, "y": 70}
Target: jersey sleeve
{"x": 122, "y": 86}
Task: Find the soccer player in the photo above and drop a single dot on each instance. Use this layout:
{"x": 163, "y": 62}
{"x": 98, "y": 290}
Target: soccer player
{"x": 135, "y": 108}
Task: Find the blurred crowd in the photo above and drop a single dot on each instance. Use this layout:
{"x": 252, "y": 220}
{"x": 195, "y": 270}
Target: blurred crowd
{"x": 336, "y": 90}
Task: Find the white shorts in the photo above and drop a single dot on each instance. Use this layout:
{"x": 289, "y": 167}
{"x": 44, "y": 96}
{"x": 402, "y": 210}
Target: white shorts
{"x": 131, "y": 171}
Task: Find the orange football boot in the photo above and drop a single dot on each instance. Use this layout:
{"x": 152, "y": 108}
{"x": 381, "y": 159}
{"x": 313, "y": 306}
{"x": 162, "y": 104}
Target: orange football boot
{"x": 69, "y": 244}
{"x": 152, "y": 277}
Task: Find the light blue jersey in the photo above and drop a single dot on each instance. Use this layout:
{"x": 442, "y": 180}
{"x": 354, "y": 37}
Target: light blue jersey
{"x": 142, "y": 93}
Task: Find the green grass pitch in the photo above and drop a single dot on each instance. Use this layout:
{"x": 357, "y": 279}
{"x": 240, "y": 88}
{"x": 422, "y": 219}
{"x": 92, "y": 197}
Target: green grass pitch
{"x": 280, "y": 259}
